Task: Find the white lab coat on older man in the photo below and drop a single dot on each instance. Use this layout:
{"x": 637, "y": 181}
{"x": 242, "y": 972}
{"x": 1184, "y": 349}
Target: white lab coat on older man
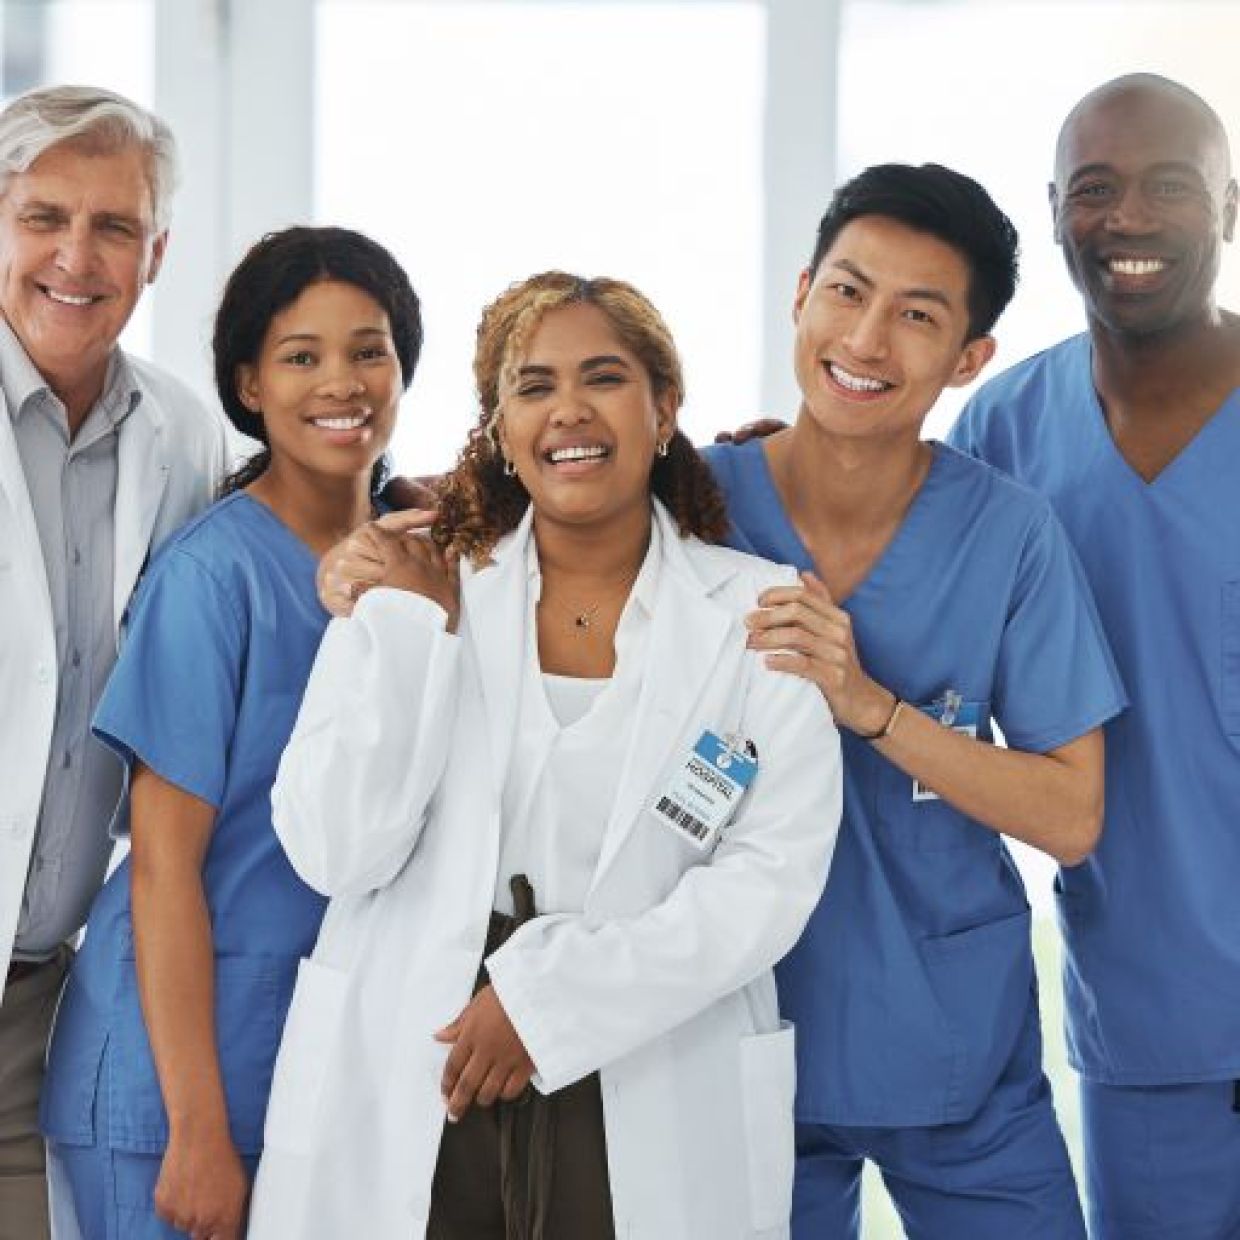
{"x": 389, "y": 799}
{"x": 171, "y": 454}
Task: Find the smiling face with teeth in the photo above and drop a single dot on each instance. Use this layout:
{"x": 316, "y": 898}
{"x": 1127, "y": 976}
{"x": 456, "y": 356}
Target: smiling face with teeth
{"x": 580, "y": 420}
{"x": 326, "y": 384}
{"x": 77, "y": 247}
{"x": 1142, "y": 201}
{"x": 881, "y": 330}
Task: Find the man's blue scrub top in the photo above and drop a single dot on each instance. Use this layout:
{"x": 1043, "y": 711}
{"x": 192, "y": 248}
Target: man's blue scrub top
{"x": 1152, "y": 921}
{"x": 914, "y": 976}
{"x": 222, "y": 635}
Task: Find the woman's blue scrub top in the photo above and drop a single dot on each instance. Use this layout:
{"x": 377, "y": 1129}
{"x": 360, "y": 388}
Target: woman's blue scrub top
{"x": 1152, "y": 920}
{"x": 914, "y": 976}
{"x": 218, "y": 649}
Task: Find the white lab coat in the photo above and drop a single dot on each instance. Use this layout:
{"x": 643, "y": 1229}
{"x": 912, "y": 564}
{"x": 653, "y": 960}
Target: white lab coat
{"x": 388, "y": 800}
{"x": 170, "y": 456}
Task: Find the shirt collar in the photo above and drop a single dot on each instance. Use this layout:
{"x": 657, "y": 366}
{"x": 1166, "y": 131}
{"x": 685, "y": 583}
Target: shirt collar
{"x": 21, "y": 381}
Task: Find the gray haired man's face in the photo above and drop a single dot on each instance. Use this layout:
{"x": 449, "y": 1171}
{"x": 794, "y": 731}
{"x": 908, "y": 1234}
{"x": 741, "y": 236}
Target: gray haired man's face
{"x": 77, "y": 247}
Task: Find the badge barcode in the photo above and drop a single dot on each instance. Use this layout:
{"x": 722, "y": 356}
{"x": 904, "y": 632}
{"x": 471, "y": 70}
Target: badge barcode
{"x": 695, "y": 826}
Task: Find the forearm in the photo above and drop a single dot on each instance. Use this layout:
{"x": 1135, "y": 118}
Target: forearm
{"x": 369, "y": 746}
{"x": 176, "y": 980}
{"x": 1051, "y": 801}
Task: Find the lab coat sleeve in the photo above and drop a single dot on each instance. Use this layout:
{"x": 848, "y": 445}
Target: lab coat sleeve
{"x": 370, "y": 743}
{"x": 583, "y": 993}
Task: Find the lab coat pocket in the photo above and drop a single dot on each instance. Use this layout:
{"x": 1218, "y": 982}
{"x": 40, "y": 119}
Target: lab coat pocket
{"x": 1230, "y": 633}
{"x": 768, "y": 1086}
{"x": 307, "y": 1052}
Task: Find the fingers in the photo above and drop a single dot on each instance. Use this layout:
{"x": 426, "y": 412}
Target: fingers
{"x": 450, "y": 1033}
{"x": 465, "y": 1087}
{"x": 458, "y": 1057}
{"x": 492, "y": 1087}
{"x": 407, "y": 521}
{"x": 518, "y": 1079}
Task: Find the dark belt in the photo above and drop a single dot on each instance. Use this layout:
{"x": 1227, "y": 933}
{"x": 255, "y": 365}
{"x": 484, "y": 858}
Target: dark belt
{"x": 19, "y": 969}
{"x": 525, "y": 1184}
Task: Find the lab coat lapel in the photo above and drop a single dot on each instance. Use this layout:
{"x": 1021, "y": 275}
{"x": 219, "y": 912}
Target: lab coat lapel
{"x": 16, "y": 498}
{"x": 142, "y": 476}
{"x": 495, "y": 606}
{"x": 687, "y": 634}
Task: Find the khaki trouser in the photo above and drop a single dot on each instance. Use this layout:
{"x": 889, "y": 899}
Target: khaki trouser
{"x": 533, "y": 1169}
{"x": 25, "y": 1025}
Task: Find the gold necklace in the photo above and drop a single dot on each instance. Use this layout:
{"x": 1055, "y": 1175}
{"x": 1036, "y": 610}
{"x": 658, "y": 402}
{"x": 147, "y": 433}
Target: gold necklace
{"x": 582, "y": 620}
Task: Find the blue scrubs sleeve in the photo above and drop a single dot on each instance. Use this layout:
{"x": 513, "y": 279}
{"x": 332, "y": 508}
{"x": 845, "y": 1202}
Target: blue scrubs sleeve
{"x": 1055, "y": 679}
{"x": 171, "y": 702}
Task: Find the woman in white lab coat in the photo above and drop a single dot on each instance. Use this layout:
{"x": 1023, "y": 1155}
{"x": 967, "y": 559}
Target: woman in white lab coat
{"x": 579, "y": 709}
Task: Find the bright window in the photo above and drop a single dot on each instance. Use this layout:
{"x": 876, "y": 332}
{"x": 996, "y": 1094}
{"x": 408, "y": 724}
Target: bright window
{"x": 483, "y": 142}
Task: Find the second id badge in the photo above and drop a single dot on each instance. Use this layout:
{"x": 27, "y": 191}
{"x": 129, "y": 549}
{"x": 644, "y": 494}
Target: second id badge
{"x": 706, "y": 788}
{"x": 952, "y": 711}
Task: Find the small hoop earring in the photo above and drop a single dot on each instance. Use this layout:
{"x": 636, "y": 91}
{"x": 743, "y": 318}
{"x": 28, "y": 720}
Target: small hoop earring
{"x": 664, "y": 446}
{"x": 510, "y": 470}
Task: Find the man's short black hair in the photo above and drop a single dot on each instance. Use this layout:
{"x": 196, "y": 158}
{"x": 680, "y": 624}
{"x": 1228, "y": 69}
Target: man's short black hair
{"x": 943, "y": 204}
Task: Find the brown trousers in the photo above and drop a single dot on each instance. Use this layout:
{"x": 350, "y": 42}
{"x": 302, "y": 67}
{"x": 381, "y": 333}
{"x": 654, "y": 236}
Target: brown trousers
{"x": 25, "y": 1026}
{"x": 533, "y": 1169}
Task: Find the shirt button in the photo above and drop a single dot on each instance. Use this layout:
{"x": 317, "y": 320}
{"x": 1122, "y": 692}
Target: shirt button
{"x": 67, "y": 761}
{"x": 77, "y": 555}
{"x": 77, "y": 658}
{"x": 42, "y": 673}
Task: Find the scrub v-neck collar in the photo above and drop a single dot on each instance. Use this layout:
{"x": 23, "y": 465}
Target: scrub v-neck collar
{"x": 887, "y": 561}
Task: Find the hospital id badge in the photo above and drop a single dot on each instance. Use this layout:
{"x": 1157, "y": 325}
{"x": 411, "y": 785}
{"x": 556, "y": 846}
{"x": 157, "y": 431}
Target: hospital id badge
{"x": 952, "y": 711}
{"x": 705, "y": 790}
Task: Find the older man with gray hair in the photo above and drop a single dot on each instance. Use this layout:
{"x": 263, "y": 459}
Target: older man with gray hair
{"x": 101, "y": 457}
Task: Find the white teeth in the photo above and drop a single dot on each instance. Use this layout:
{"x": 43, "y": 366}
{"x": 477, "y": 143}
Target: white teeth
{"x": 592, "y": 452}
{"x": 1136, "y": 266}
{"x": 340, "y": 424}
{"x": 68, "y": 299}
{"x": 856, "y": 383}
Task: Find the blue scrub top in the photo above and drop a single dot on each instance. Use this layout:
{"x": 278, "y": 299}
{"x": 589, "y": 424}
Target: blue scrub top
{"x": 914, "y": 977}
{"x": 1152, "y": 921}
{"x": 219, "y": 646}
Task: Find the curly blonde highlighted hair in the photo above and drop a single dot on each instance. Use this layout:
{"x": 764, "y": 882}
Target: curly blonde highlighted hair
{"x": 478, "y": 502}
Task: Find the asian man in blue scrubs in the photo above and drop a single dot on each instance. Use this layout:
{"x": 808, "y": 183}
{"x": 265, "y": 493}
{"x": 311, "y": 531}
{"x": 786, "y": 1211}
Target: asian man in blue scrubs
{"x": 939, "y": 598}
{"x": 1132, "y": 431}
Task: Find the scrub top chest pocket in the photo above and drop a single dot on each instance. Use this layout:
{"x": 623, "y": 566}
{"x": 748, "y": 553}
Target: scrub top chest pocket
{"x": 916, "y": 817}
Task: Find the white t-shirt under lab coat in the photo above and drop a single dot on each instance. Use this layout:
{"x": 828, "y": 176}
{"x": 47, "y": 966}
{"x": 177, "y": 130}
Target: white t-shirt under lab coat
{"x": 571, "y": 737}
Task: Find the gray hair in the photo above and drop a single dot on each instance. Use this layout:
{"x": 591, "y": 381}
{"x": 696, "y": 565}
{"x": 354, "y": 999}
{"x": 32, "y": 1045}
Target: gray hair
{"x": 96, "y": 118}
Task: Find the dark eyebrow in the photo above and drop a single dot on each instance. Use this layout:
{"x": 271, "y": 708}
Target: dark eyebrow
{"x": 917, "y": 294}
{"x": 39, "y": 204}
{"x": 311, "y": 338}
{"x": 929, "y": 294}
{"x": 591, "y": 363}
{"x": 1091, "y": 170}
{"x": 1162, "y": 167}
{"x": 853, "y": 270}
{"x": 117, "y": 217}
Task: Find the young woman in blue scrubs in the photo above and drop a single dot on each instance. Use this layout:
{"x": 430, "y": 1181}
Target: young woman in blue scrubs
{"x": 161, "y": 1062}
{"x": 939, "y": 599}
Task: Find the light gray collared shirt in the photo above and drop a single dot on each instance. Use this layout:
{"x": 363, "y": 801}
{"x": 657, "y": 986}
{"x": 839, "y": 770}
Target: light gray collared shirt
{"x": 72, "y": 485}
